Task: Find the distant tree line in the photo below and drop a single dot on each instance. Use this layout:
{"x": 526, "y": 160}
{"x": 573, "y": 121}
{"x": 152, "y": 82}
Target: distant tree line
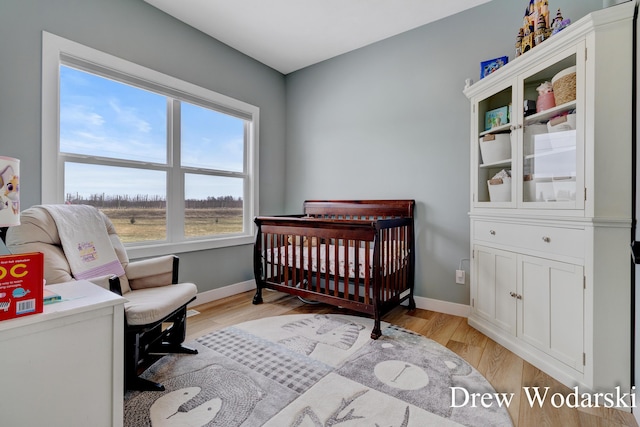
{"x": 145, "y": 201}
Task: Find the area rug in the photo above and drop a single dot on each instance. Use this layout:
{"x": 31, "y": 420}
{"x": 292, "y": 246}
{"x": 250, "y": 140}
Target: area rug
{"x": 313, "y": 370}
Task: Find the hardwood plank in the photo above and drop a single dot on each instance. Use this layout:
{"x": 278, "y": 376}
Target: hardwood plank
{"x": 441, "y": 327}
{"x": 468, "y": 335}
{"x": 503, "y": 370}
{"x": 470, "y": 353}
{"x": 544, "y": 413}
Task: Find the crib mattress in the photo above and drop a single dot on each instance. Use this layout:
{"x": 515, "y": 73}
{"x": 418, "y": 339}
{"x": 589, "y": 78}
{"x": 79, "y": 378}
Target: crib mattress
{"x": 291, "y": 256}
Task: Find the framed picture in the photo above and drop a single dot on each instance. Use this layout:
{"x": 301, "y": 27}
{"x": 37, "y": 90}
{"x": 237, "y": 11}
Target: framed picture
{"x": 488, "y": 67}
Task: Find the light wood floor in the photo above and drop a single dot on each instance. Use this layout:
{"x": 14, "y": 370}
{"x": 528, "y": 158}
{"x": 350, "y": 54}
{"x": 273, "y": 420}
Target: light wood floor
{"x": 504, "y": 370}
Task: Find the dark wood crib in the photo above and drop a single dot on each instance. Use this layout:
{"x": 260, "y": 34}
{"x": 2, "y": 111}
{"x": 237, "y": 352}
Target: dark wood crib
{"x": 356, "y": 254}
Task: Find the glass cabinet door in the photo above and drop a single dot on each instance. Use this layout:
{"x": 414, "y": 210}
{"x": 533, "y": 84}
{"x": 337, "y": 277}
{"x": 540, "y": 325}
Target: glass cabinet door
{"x": 495, "y": 150}
{"x": 551, "y": 150}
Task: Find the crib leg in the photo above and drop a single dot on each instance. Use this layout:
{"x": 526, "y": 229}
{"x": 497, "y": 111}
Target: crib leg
{"x": 377, "y": 332}
{"x": 257, "y": 298}
{"x": 412, "y": 302}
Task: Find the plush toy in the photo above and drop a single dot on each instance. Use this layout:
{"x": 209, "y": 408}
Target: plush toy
{"x": 559, "y": 23}
{"x": 10, "y": 187}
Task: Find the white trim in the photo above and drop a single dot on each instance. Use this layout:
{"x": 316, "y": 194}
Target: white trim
{"x": 445, "y": 307}
{"x": 439, "y": 306}
{"x": 223, "y": 292}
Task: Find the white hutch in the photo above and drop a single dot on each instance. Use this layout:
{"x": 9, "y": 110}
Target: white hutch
{"x": 551, "y": 269}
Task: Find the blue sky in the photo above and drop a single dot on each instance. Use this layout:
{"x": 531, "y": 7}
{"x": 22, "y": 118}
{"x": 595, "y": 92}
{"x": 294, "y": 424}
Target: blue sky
{"x": 105, "y": 118}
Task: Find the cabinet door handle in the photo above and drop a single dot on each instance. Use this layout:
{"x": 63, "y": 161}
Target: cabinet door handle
{"x": 492, "y": 232}
{"x": 546, "y": 239}
{"x": 518, "y": 296}
{"x": 512, "y": 294}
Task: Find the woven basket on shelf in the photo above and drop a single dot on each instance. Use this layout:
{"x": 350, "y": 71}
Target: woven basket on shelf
{"x": 564, "y": 86}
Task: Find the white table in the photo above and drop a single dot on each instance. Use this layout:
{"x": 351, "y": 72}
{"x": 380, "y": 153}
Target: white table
{"x": 65, "y": 367}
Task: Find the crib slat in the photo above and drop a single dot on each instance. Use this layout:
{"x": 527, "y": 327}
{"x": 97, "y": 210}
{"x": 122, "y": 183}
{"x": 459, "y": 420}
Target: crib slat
{"x": 367, "y": 272}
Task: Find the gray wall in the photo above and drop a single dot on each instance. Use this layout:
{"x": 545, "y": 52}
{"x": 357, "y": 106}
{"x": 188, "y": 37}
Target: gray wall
{"x": 135, "y": 31}
{"x": 390, "y": 121}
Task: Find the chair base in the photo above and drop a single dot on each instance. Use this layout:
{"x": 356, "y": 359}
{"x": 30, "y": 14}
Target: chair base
{"x": 168, "y": 348}
{"x": 146, "y": 344}
{"x": 140, "y": 384}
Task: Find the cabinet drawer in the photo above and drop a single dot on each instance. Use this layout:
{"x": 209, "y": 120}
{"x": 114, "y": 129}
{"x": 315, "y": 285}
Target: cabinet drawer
{"x": 553, "y": 240}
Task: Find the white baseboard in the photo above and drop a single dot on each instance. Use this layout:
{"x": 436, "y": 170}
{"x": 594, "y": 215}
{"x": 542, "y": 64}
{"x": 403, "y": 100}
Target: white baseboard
{"x": 223, "y": 292}
{"x": 445, "y": 307}
{"x": 439, "y": 306}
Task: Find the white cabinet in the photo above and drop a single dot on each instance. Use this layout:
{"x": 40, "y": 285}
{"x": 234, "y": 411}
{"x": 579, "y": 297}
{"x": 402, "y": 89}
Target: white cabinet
{"x": 64, "y": 367}
{"x": 551, "y": 308}
{"x": 536, "y": 300}
{"x": 551, "y": 204}
{"x": 496, "y": 286}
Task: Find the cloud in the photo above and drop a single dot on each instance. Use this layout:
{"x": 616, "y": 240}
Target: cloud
{"x": 129, "y": 117}
{"x": 81, "y": 116}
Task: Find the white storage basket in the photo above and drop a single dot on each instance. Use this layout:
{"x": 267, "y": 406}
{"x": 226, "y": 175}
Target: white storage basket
{"x": 495, "y": 148}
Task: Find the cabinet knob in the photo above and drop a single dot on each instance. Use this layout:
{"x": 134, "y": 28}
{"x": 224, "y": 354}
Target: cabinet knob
{"x": 546, "y": 239}
{"x": 492, "y": 232}
{"x": 518, "y": 296}
{"x": 512, "y": 294}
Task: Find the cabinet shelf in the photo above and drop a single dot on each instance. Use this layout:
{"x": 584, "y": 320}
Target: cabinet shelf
{"x": 550, "y": 152}
{"x": 545, "y": 115}
{"x": 501, "y": 163}
{"x": 497, "y": 129}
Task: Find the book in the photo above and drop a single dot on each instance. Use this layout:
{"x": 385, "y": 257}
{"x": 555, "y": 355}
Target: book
{"x": 49, "y": 297}
{"x": 21, "y": 285}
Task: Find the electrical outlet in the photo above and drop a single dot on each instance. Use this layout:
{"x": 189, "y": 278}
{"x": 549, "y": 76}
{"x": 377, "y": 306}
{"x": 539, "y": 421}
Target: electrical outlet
{"x": 460, "y": 276}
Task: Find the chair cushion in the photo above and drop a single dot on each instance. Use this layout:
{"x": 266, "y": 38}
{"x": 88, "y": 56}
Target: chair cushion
{"x": 150, "y": 273}
{"x": 150, "y": 305}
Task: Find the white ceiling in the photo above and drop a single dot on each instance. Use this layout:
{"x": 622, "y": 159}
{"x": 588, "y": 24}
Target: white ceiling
{"x": 288, "y": 35}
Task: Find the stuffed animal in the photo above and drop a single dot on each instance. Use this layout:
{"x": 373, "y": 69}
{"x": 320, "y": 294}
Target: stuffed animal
{"x": 10, "y": 187}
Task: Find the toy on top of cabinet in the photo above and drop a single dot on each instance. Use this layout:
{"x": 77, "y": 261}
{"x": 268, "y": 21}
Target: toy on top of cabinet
{"x": 537, "y": 27}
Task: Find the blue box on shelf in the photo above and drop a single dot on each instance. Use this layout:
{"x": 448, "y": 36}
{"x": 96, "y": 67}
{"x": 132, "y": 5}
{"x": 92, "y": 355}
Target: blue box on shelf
{"x": 488, "y": 67}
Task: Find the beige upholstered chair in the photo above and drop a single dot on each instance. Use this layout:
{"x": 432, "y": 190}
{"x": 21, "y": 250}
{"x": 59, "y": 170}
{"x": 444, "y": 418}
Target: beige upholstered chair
{"x": 150, "y": 286}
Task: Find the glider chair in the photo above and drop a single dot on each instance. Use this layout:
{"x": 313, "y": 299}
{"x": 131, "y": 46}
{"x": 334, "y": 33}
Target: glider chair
{"x": 156, "y": 307}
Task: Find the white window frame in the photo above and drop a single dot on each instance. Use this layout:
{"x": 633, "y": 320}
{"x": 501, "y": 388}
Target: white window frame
{"x": 57, "y": 50}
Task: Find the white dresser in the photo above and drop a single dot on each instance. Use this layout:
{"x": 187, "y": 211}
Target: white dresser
{"x": 64, "y": 367}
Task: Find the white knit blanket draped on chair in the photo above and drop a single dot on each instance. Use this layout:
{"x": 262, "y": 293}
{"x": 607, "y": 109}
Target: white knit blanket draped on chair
{"x": 85, "y": 241}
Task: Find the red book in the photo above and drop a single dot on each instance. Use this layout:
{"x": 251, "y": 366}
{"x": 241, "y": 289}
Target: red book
{"x": 21, "y": 285}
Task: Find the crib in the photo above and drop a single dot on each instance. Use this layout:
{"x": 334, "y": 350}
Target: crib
{"x": 355, "y": 254}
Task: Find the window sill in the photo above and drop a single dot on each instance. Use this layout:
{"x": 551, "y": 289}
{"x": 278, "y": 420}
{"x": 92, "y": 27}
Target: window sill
{"x": 137, "y": 251}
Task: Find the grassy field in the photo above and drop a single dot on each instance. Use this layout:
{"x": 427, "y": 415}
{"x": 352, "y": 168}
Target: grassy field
{"x": 138, "y": 225}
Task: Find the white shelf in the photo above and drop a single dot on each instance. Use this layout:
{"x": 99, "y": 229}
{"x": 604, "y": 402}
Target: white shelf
{"x": 549, "y": 152}
{"x": 501, "y": 163}
{"x": 497, "y": 129}
{"x": 545, "y": 115}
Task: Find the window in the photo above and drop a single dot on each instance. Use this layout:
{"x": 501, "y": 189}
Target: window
{"x": 173, "y": 165}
